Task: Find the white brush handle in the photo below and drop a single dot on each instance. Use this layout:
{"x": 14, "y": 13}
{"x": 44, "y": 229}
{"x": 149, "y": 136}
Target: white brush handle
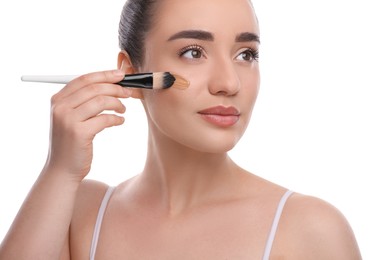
{"x": 60, "y": 79}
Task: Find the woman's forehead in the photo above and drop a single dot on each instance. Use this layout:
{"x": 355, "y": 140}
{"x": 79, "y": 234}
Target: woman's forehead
{"x": 208, "y": 15}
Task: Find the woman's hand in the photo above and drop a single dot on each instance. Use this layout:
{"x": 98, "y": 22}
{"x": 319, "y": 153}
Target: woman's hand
{"x": 77, "y": 115}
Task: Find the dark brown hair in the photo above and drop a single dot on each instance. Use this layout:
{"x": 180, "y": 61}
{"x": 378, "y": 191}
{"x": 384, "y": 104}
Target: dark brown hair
{"x": 135, "y": 22}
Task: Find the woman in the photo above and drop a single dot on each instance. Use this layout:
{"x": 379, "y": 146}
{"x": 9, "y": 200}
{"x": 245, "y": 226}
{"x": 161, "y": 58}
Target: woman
{"x": 191, "y": 201}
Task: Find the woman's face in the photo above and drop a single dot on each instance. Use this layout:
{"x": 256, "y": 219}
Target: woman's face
{"x": 214, "y": 45}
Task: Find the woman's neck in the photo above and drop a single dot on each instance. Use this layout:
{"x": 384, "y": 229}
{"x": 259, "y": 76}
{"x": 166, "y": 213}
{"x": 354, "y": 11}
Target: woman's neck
{"x": 178, "y": 178}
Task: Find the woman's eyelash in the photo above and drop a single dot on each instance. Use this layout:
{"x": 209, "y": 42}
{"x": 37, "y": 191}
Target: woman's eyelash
{"x": 253, "y": 52}
{"x": 193, "y": 47}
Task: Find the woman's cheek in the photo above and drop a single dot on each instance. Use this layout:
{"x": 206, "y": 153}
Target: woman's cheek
{"x": 196, "y": 78}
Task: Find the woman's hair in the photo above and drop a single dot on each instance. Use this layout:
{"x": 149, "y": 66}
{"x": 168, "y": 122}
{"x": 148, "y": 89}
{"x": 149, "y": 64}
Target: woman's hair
{"x": 135, "y": 22}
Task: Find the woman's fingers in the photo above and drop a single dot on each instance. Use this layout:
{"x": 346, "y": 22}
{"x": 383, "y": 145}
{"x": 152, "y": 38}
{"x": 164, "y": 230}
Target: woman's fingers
{"x": 86, "y": 93}
{"x": 103, "y": 121}
{"x": 97, "y": 105}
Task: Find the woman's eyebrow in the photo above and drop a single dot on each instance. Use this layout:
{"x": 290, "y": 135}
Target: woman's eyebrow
{"x": 207, "y": 36}
{"x": 193, "y": 34}
{"x": 247, "y": 37}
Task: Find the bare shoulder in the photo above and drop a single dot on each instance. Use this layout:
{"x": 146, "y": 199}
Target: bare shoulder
{"x": 312, "y": 228}
{"x": 90, "y": 194}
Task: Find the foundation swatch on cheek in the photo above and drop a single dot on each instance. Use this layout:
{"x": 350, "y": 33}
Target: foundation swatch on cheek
{"x": 180, "y": 82}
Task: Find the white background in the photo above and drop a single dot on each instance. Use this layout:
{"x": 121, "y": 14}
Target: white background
{"x": 320, "y": 127}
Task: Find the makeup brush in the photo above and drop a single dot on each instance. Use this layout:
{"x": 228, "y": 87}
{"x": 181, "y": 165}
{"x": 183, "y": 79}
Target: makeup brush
{"x": 155, "y": 80}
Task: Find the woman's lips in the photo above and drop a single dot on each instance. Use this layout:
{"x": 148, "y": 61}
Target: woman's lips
{"x": 220, "y": 115}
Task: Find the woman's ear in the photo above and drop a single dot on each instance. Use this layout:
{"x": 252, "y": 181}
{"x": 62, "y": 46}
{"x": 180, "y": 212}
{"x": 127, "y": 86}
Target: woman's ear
{"x": 124, "y": 64}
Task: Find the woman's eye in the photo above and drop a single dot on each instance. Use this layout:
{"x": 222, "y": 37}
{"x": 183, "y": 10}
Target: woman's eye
{"x": 191, "y": 52}
{"x": 248, "y": 55}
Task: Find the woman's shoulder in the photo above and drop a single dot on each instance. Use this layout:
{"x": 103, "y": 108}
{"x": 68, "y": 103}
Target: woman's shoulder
{"x": 309, "y": 227}
{"x": 316, "y": 214}
{"x": 90, "y": 192}
{"x": 88, "y": 200}
{"x": 316, "y": 229}
{"x": 90, "y": 196}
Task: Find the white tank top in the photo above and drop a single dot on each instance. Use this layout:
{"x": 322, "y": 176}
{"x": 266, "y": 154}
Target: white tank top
{"x": 268, "y": 245}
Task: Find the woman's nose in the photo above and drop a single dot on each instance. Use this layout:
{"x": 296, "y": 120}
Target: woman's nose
{"x": 224, "y": 79}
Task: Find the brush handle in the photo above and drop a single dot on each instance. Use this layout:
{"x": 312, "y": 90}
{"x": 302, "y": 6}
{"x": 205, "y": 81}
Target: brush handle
{"x": 58, "y": 79}
{"x": 141, "y": 80}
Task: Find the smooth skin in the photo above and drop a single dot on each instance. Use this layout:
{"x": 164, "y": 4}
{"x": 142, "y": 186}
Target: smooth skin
{"x": 191, "y": 201}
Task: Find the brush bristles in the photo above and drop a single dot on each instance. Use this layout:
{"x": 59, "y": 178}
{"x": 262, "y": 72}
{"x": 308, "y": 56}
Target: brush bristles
{"x": 180, "y": 82}
{"x": 163, "y": 80}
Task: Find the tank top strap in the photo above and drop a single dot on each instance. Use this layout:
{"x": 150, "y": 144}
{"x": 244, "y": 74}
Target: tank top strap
{"x": 99, "y": 221}
{"x": 274, "y": 227}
